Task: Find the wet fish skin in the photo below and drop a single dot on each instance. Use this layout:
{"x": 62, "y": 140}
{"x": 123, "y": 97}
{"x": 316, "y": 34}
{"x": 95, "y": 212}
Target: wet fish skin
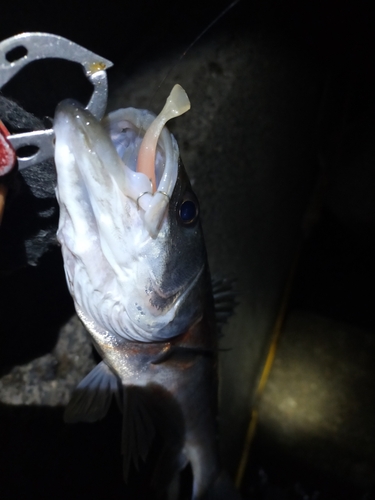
{"x": 169, "y": 357}
{"x": 124, "y": 279}
{"x": 185, "y": 366}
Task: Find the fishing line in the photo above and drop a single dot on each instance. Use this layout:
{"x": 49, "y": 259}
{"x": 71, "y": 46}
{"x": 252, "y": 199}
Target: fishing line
{"x": 183, "y": 54}
{"x": 191, "y": 45}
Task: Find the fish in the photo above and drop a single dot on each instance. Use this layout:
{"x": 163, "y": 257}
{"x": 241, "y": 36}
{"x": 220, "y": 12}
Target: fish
{"x": 136, "y": 266}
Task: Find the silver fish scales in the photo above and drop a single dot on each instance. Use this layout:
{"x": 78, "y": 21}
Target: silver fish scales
{"x": 136, "y": 266}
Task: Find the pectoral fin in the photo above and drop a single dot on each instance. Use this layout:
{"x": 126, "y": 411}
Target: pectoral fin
{"x": 92, "y": 397}
{"x": 224, "y": 299}
{"x": 138, "y": 429}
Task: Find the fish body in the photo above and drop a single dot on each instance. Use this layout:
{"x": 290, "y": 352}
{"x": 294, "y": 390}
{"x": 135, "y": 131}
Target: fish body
{"x": 136, "y": 266}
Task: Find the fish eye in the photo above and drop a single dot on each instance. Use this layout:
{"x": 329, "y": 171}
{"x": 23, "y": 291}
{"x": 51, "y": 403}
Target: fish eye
{"x": 188, "y": 212}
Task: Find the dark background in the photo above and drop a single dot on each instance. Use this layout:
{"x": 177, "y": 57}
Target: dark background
{"x": 40, "y": 456}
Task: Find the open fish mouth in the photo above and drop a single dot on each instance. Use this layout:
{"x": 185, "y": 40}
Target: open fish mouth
{"x": 115, "y": 181}
{"x": 140, "y": 155}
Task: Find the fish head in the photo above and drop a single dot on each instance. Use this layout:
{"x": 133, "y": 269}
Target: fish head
{"x": 134, "y": 254}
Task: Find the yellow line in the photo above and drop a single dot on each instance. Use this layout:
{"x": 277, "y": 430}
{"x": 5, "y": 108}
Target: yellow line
{"x": 248, "y": 440}
{"x": 254, "y": 417}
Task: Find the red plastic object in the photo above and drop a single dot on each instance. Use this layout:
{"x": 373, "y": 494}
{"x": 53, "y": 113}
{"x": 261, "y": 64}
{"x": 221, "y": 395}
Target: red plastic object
{"x": 7, "y": 153}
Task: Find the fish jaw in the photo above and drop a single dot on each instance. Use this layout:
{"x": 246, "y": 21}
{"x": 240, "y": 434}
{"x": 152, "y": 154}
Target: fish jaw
{"x": 115, "y": 268}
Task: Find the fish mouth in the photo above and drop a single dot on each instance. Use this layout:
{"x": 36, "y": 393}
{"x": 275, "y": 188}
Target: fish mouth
{"x": 107, "y": 161}
{"x": 138, "y": 153}
{"x": 152, "y": 151}
{"x": 114, "y": 231}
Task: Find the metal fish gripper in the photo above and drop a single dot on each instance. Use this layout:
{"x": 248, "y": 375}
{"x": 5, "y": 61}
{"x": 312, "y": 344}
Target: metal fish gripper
{"x": 36, "y": 46}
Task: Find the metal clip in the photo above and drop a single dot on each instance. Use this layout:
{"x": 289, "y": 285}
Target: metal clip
{"x": 37, "y": 46}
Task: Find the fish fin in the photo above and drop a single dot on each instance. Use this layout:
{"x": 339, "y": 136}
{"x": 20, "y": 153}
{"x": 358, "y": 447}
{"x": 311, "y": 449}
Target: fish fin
{"x": 224, "y": 299}
{"x": 138, "y": 430}
{"x": 92, "y": 397}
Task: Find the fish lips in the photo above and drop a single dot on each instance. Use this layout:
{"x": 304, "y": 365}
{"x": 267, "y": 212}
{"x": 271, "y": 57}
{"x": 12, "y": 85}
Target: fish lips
{"x": 103, "y": 234}
{"x": 94, "y": 152}
{"x": 97, "y": 154}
